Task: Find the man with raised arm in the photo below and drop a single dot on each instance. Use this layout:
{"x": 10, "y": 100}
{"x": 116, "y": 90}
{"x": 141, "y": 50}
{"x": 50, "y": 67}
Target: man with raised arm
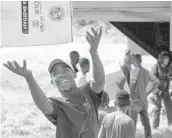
{"x": 76, "y": 115}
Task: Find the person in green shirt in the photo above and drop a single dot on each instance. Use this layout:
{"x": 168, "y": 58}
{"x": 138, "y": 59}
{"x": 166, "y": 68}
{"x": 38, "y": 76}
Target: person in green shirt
{"x": 76, "y": 114}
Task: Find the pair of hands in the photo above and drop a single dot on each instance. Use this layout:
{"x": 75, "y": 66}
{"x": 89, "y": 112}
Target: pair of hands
{"x": 93, "y": 40}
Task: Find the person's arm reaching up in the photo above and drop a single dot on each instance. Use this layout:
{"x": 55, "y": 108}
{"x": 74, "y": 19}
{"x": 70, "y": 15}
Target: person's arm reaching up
{"x": 121, "y": 82}
{"x": 38, "y": 95}
{"x": 98, "y": 82}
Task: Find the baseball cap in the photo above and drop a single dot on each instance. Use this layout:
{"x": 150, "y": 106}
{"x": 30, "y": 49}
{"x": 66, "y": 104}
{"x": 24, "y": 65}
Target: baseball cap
{"x": 122, "y": 98}
{"x": 55, "y": 62}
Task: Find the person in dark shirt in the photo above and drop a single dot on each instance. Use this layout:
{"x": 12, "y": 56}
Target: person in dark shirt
{"x": 126, "y": 68}
{"x": 163, "y": 71}
{"x": 74, "y": 59}
{"x": 75, "y": 115}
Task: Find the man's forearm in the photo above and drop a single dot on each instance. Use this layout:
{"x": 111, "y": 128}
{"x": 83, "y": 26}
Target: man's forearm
{"x": 154, "y": 87}
{"x": 38, "y": 95}
{"x": 98, "y": 69}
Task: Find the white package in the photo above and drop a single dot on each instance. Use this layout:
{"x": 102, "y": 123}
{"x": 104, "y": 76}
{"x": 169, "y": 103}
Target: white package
{"x": 32, "y": 23}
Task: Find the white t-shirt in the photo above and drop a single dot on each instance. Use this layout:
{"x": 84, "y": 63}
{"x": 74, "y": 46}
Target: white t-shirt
{"x": 82, "y": 79}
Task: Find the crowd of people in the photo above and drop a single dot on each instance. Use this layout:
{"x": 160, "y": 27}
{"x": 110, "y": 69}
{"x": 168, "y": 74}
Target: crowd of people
{"x": 82, "y": 111}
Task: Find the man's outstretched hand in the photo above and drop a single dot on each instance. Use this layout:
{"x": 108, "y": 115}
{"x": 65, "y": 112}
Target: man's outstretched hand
{"x": 94, "y": 39}
{"x": 17, "y": 69}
